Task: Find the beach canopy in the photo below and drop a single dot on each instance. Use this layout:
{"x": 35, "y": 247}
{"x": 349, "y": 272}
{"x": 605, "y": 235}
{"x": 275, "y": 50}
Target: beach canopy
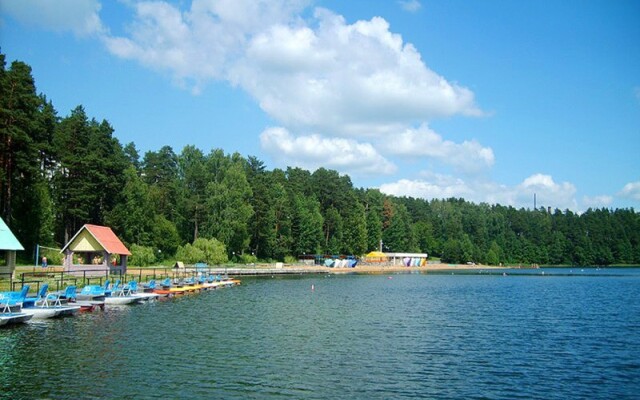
{"x": 376, "y": 256}
{"x": 7, "y": 240}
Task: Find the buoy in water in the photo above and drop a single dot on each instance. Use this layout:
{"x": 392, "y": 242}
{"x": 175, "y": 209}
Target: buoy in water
{"x": 313, "y": 287}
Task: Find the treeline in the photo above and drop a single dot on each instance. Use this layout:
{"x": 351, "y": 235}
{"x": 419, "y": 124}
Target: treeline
{"x": 58, "y": 173}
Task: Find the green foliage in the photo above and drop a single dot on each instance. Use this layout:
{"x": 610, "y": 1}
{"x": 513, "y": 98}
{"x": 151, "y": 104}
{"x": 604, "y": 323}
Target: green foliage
{"x": 141, "y": 256}
{"x": 133, "y": 216}
{"x": 58, "y": 173}
{"x": 247, "y": 259}
{"x": 290, "y": 260}
{"x": 164, "y": 236}
{"x": 54, "y": 257}
{"x": 190, "y": 254}
{"x": 210, "y": 251}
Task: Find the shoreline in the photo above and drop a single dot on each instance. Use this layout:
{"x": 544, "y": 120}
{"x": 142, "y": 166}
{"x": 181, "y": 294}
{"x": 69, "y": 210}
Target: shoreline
{"x": 285, "y": 269}
{"x": 372, "y": 268}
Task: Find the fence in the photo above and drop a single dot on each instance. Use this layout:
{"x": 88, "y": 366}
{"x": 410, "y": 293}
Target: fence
{"x": 61, "y": 279}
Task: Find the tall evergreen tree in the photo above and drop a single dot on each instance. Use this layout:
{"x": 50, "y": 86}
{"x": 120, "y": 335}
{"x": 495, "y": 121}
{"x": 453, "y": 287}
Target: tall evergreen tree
{"x": 230, "y": 211}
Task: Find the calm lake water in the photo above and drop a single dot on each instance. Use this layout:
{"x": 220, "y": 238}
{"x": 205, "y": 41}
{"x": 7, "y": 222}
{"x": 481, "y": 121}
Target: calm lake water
{"x": 567, "y": 334}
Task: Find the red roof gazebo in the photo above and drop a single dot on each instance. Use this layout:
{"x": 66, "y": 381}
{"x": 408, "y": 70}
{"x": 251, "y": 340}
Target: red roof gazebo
{"x": 95, "y": 247}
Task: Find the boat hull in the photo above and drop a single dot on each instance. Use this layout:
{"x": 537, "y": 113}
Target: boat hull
{"x": 51, "y": 312}
{"x": 178, "y": 290}
{"x": 120, "y": 300}
{"x": 14, "y": 318}
{"x": 146, "y": 296}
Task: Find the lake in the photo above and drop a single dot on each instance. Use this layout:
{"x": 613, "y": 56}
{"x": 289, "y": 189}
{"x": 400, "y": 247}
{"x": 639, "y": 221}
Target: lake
{"x": 564, "y": 334}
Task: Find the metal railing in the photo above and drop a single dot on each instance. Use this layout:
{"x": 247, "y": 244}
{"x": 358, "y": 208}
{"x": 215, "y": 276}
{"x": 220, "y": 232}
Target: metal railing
{"x": 58, "y": 280}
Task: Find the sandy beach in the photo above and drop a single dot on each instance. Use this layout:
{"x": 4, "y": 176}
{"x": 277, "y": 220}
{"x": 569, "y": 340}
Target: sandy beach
{"x": 383, "y": 269}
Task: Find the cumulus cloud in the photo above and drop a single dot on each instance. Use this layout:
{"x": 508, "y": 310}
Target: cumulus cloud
{"x": 314, "y": 151}
{"x": 199, "y": 45}
{"x": 78, "y": 16}
{"x": 437, "y": 186}
{"x": 631, "y": 191}
{"x": 410, "y": 5}
{"x": 468, "y": 156}
{"x": 597, "y": 201}
{"x": 322, "y": 75}
{"x": 345, "y": 79}
{"x": 548, "y": 192}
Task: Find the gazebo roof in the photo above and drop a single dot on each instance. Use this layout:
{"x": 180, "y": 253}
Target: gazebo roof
{"x": 105, "y": 237}
{"x": 7, "y": 240}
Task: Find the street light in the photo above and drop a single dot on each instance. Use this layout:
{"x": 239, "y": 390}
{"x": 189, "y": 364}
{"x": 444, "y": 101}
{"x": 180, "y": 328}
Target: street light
{"x": 233, "y": 260}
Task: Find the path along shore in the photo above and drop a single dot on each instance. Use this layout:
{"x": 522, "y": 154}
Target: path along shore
{"x": 363, "y": 268}
{"x": 291, "y": 269}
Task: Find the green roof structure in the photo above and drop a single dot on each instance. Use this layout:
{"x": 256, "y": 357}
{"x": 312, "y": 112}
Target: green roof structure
{"x": 8, "y": 245}
{"x": 7, "y": 240}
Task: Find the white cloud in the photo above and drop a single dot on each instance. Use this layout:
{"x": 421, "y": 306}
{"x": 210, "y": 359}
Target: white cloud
{"x": 323, "y": 75}
{"x": 597, "y": 201}
{"x": 200, "y": 45}
{"x": 631, "y": 191}
{"x": 548, "y": 192}
{"x": 315, "y": 151}
{"x": 440, "y": 187}
{"x": 468, "y": 156}
{"x": 78, "y": 16}
{"x": 436, "y": 186}
{"x": 410, "y": 5}
{"x": 345, "y": 79}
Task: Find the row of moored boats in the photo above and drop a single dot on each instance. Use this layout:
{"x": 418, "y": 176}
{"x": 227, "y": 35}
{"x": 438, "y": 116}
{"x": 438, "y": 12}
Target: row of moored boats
{"x": 18, "y": 307}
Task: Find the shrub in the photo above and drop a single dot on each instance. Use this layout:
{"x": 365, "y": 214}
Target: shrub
{"x": 189, "y": 254}
{"x": 210, "y": 251}
{"x": 141, "y": 256}
{"x": 248, "y": 259}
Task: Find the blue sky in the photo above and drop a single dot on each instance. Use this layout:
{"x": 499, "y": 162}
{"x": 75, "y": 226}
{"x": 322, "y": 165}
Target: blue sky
{"x": 491, "y": 101}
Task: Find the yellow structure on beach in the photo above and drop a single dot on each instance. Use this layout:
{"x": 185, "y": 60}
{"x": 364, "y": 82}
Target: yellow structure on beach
{"x": 375, "y": 257}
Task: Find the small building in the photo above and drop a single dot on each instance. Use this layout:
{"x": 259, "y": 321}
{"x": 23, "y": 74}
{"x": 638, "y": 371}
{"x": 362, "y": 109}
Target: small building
{"x": 408, "y": 259}
{"x": 95, "y": 248}
{"x": 8, "y": 245}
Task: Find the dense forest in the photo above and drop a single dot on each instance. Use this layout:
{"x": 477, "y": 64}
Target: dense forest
{"x": 58, "y": 173}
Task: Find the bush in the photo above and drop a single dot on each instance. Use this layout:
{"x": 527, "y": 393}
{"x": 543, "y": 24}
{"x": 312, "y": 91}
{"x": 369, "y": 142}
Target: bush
{"x": 210, "y": 251}
{"x": 189, "y": 254}
{"x": 248, "y": 259}
{"x": 142, "y": 256}
{"x": 290, "y": 260}
{"x": 54, "y": 257}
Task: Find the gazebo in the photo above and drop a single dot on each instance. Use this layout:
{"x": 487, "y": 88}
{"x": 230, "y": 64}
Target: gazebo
{"x": 95, "y": 248}
{"x": 9, "y": 245}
